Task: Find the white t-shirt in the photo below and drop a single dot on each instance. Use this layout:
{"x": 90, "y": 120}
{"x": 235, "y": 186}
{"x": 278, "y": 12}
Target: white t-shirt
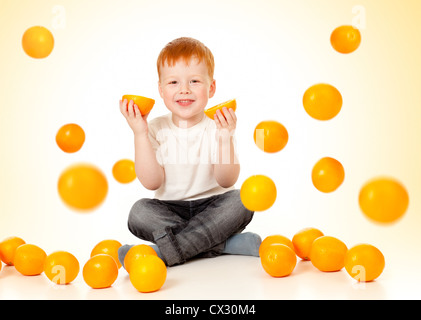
{"x": 188, "y": 156}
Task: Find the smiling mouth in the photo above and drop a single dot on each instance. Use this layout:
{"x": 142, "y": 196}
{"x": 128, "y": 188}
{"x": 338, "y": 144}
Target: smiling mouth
{"x": 185, "y": 102}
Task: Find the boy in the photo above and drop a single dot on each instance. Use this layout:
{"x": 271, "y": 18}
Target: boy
{"x": 190, "y": 162}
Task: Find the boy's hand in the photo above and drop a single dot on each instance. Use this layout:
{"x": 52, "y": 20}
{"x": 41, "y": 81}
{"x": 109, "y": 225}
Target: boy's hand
{"x": 226, "y": 121}
{"x": 134, "y": 118}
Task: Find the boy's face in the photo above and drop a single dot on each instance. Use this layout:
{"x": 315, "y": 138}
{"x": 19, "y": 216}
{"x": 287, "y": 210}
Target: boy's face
{"x": 186, "y": 90}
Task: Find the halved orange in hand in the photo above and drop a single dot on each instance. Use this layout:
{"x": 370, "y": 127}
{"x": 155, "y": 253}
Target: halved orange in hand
{"x": 145, "y": 104}
{"x": 210, "y": 112}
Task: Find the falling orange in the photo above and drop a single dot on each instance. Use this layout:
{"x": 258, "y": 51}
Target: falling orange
{"x": 327, "y": 174}
{"x": 383, "y": 200}
{"x": 38, "y": 42}
{"x": 258, "y": 193}
{"x": 82, "y": 186}
{"x": 270, "y": 136}
{"x": 345, "y": 39}
{"x": 70, "y": 138}
{"x": 124, "y": 171}
{"x": 322, "y": 101}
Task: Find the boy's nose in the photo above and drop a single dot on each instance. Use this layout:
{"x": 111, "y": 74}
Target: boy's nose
{"x": 185, "y": 89}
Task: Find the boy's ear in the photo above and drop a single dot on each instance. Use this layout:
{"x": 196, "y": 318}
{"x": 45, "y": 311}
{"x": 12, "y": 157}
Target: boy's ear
{"x": 212, "y": 88}
{"x": 160, "y": 89}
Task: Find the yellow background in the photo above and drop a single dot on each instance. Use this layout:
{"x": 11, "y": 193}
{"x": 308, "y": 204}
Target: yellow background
{"x": 267, "y": 54}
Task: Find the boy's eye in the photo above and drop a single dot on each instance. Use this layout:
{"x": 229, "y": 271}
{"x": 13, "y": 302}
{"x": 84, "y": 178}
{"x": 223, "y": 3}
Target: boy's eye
{"x": 195, "y": 81}
{"x": 172, "y": 82}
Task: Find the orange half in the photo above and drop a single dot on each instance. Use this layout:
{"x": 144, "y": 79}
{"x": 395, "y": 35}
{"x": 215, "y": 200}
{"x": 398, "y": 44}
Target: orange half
{"x": 145, "y": 104}
{"x": 210, "y": 112}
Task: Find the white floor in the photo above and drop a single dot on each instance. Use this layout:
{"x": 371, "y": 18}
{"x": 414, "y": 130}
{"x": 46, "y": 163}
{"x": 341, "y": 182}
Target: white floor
{"x": 226, "y": 277}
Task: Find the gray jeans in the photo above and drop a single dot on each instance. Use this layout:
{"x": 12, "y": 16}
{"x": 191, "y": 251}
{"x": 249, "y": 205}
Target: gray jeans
{"x": 186, "y": 229}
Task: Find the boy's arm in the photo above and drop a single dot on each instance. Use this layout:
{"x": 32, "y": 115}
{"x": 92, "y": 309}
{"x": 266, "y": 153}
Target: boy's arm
{"x": 227, "y": 169}
{"x": 147, "y": 168}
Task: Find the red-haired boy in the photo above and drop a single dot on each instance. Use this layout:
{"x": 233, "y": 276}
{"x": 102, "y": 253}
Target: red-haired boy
{"x": 190, "y": 162}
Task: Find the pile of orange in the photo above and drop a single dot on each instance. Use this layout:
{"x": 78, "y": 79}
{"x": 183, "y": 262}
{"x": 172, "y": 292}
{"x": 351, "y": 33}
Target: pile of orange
{"x": 147, "y": 272}
{"x": 60, "y": 267}
{"x": 363, "y": 262}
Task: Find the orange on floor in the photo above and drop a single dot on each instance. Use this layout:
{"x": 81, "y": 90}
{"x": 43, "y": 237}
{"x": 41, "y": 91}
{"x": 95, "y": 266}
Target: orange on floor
{"x": 328, "y": 254}
{"x": 109, "y": 247}
{"x": 303, "y": 241}
{"x": 148, "y": 274}
{"x": 61, "y": 267}
{"x": 137, "y": 252}
{"x": 278, "y": 260}
{"x": 8, "y": 248}
{"x": 100, "y": 271}
{"x": 364, "y": 262}
{"x": 275, "y": 239}
{"x": 29, "y": 260}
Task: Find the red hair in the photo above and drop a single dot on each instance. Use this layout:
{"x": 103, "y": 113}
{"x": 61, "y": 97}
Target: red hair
{"x": 186, "y": 49}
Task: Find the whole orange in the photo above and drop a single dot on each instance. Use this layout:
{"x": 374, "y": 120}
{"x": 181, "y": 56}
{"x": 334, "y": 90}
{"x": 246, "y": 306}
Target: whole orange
{"x": 136, "y": 252}
{"x": 258, "y": 193}
{"x": 124, "y": 171}
{"x": 29, "y": 260}
{"x": 148, "y": 274}
{"x": 82, "y": 186}
{"x": 8, "y": 248}
{"x": 38, "y": 42}
{"x": 303, "y": 240}
{"x": 275, "y": 239}
{"x": 70, "y": 138}
{"x": 100, "y": 271}
{"x": 328, "y": 254}
{"x": 61, "y": 267}
{"x": 364, "y": 262}
{"x": 327, "y": 174}
{"x": 322, "y": 101}
{"x": 278, "y": 260}
{"x": 345, "y": 39}
{"x": 109, "y": 247}
{"x": 383, "y": 200}
{"x": 270, "y": 136}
